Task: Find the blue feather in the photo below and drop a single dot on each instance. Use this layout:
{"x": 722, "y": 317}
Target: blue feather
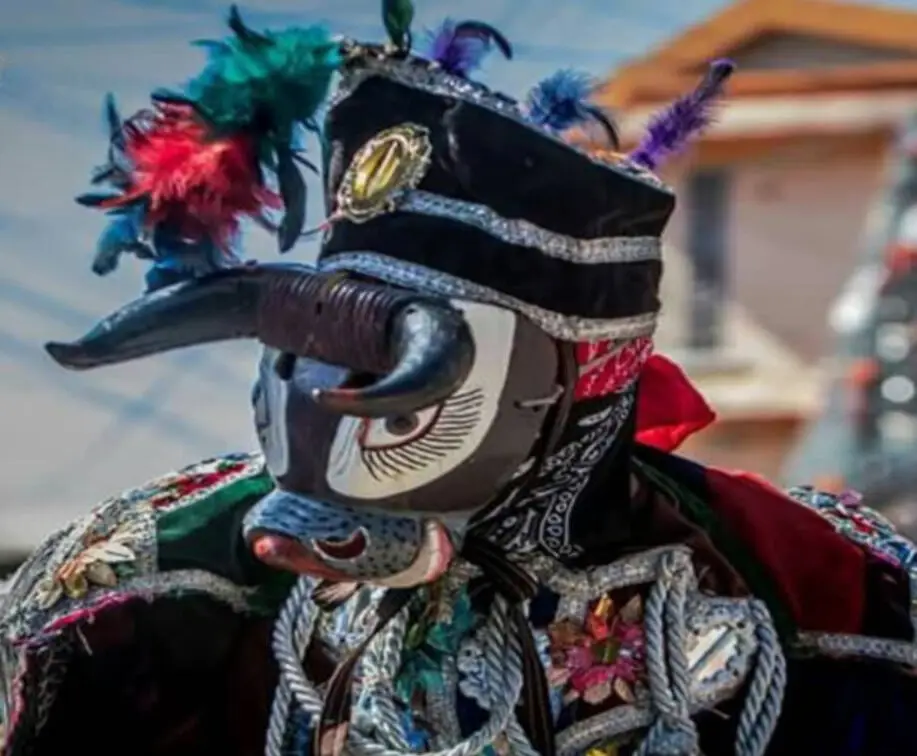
{"x": 122, "y": 235}
{"x": 556, "y": 103}
{"x": 561, "y": 102}
{"x": 172, "y": 258}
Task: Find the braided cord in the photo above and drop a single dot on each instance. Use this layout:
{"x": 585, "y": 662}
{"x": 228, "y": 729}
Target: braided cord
{"x": 672, "y": 732}
{"x": 764, "y": 700}
{"x": 503, "y": 658}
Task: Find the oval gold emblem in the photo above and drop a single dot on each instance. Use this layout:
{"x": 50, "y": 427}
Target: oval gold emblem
{"x": 393, "y": 161}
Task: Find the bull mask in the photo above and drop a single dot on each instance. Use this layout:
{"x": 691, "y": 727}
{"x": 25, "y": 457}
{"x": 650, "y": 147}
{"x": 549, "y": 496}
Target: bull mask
{"x": 387, "y": 417}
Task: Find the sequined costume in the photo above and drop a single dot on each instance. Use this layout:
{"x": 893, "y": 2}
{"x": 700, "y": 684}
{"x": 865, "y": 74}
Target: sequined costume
{"x": 466, "y": 531}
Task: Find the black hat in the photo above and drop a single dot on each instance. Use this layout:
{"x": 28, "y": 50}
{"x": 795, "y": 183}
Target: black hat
{"x": 436, "y": 182}
{"x": 433, "y": 181}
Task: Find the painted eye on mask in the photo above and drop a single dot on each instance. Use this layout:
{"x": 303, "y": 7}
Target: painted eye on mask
{"x": 394, "y": 432}
{"x": 397, "y": 450}
{"x": 405, "y": 441}
{"x": 379, "y": 458}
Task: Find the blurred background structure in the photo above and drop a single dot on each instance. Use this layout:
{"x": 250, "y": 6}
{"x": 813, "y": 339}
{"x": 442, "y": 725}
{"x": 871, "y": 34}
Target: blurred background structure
{"x": 776, "y": 204}
{"x": 865, "y": 436}
{"x": 778, "y": 226}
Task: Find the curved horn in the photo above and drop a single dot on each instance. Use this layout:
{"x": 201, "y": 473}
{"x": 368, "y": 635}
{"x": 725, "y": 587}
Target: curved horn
{"x": 216, "y": 308}
{"x": 435, "y": 353}
{"x": 420, "y": 350}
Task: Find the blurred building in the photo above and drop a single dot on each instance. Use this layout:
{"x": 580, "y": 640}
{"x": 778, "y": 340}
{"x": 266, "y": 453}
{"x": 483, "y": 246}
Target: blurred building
{"x": 772, "y": 202}
{"x": 865, "y": 437}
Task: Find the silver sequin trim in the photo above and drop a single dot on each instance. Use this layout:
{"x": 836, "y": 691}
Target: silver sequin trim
{"x": 838, "y": 644}
{"x": 421, "y": 278}
{"x": 588, "y": 584}
{"x": 520, "y": 232}
{"x": 435, "y": 81}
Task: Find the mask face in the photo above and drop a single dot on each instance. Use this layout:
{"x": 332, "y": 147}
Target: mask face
{"x": 371, "y": 497}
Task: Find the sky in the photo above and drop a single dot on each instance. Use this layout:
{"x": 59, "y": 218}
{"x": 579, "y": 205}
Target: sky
{"x": 71, "y": 439}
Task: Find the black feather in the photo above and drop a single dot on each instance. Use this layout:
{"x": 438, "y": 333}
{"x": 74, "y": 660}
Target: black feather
{"x": 305, "y": 162}
{"x": 95, "y": 199}
{"x": 602, "y": 119}
{"x": 293, "y": 191}
{"x": 105, "y": 174}
{"x": 114, "y": 124}
{"x": 487, "y": 32}
{"x": 238, "y": 27}
{"x": 165, "y": 96}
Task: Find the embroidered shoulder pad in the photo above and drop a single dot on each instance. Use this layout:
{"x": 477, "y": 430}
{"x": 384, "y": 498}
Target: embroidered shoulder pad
{"x": 873, "y": 532}
{"x": 112, "y": 554}
{"x": 860, "y": 524}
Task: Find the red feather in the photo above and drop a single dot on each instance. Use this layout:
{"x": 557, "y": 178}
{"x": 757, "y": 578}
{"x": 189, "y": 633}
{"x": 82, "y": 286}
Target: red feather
{"x": 199, "y": 183}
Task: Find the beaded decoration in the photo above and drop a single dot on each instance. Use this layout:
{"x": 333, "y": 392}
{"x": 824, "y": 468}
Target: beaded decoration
{"x": 860, "y": 524}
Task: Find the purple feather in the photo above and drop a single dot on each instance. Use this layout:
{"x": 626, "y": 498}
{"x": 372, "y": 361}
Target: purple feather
{"x": 460, "y": 48}
{"x": 670, "y": 130}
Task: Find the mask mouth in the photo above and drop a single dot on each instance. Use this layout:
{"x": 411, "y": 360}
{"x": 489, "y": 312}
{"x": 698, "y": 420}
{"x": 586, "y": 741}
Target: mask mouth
{"x": 274, "y": 531}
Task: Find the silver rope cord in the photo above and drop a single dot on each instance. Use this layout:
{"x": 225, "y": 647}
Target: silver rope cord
{"x": 503, "y": 659}
{"x": 673, "y": 732}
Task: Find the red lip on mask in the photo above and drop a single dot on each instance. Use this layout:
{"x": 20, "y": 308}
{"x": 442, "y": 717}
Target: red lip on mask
{"x": 285, "y": 553}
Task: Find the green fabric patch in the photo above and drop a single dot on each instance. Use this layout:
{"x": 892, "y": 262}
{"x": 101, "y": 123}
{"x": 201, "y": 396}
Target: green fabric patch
{"x": 182, "y": 521}
{"x": 207, "y": 535}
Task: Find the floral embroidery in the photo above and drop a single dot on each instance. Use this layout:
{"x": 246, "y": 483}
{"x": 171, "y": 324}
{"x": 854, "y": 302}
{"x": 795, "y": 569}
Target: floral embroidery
{"x": 500, "y": 747}
{"x": 601, "y": 658}
{"x": 432, "y": 640}
{"x": 107, "y": 556}
{"x": 860, "y": 524}
{"x": 196, "y": 481}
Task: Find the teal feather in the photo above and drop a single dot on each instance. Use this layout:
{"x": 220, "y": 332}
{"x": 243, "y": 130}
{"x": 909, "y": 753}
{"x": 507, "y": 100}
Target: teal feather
{"x": 270, "y": 86}
{"x": 268, "y": 82}
{"x": 397, "y": 17}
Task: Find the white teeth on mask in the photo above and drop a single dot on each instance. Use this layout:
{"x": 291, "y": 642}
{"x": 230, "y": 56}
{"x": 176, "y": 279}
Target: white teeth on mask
{"x": 432, "y": 560}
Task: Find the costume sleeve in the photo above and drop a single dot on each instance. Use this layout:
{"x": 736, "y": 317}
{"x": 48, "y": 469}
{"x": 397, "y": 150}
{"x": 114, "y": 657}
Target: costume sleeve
{"x": 855, "y": 707}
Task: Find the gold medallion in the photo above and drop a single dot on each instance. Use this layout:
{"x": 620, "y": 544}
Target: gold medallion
{"x": 393, "y": 161}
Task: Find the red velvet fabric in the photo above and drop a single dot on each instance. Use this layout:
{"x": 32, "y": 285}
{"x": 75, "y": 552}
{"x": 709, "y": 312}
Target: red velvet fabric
{"x": 669, "y": 408}
{"x": 820, "y": 574}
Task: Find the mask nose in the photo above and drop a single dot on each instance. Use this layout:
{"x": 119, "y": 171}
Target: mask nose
{"x": 286, "y": 553}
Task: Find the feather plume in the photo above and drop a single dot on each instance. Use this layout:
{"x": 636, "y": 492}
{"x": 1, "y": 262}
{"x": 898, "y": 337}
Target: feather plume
{"x": 114, "y": 171}
{"x": 190, "y": 181}
{"x": 561, "y": 102}
{"x": 460, "y": 48}
{"x": 266, "y": 86}
{"x": 397, "y": 17}
{"x": 670, "y": 131}
{"x": 266, "y": 81}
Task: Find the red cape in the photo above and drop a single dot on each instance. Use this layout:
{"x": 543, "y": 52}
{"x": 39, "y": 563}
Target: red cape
{"x": 819, "y": 574}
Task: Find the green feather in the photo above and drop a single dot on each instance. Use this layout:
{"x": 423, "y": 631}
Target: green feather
{"x": 398, "y": 15}
{"x": 266, "y": 81}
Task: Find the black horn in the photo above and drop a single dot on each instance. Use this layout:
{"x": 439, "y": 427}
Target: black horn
{"x": 419, "y": 350}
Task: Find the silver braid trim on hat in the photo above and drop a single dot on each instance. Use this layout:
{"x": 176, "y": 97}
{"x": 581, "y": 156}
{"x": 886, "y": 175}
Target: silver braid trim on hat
{"x": 421, "y": 278}
{"x": 687, "y": 637}
{"x": 615, "y": 249}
